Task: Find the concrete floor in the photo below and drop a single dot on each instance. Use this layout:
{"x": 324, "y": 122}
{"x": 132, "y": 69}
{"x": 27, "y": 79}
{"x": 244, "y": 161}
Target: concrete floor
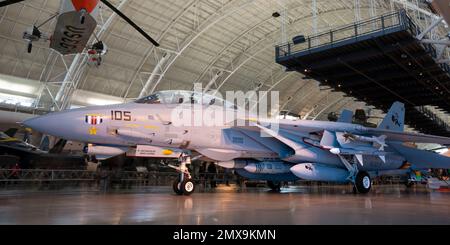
{"x": 299, "y": 205}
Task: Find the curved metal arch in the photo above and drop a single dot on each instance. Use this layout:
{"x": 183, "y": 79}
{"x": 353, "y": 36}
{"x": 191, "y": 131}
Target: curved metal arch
{"x": 215, "y": 59}
{"x": 312, "y": 102}
{"x": 195, "y": 37}
{"x": 150, "y": 49}
{"x": 198, "y": 34}
{"x": 328, "y": 106}
{"x": 308, "y": 91}
{"x": 339, "y": 106}
{"x": 168, "y": 66}
{"x": 274, "y": 85}
{"x": 417, "y": 8}
{"x": 234, "y": 41}
{"x": 267, "y": 37}
{"x": 300, "y": 88}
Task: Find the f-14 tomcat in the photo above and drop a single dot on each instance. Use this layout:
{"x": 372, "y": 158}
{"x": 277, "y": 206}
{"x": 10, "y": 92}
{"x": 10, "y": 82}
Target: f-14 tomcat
{"x": 310, "y": 150}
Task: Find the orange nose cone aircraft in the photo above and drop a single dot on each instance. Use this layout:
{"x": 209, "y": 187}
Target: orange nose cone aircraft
{"x": 88, "y": 5}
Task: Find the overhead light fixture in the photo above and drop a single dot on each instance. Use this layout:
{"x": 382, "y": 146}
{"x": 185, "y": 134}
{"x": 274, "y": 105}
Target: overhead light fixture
{"x": 97, "y": 101}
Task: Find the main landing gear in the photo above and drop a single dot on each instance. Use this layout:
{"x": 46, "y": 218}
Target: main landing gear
{"x": 184, "y": 184}
{"x": 362, "y": 183}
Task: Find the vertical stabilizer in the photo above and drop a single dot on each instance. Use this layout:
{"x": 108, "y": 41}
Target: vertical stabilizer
{"x": 395, "y": 119}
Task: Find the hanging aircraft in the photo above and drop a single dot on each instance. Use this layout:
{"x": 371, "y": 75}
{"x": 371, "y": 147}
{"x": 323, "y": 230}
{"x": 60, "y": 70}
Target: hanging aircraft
{"x": 76, "y": 23}
{"x": 311, "y": 150}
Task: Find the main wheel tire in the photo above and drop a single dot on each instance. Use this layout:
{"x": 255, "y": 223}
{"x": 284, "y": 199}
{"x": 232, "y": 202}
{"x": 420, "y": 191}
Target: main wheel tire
{"x": 187, "y": 187}
{"x": 363, "y": 183}
{"x": 275, "y": 186}
{"x": 177, "y": 187}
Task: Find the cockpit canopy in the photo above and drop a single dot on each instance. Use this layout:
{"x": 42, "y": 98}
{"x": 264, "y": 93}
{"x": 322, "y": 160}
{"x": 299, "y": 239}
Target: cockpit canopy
{"x": 173, "y": 97}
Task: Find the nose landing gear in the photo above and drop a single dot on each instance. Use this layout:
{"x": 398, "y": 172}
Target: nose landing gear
{"x": 184, "y": 185}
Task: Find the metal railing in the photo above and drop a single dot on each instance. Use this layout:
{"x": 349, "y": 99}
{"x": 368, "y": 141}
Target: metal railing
{"x": 378, "y": 24}
{"x": 80, "y": 180}
{"x": 65, "y": 178}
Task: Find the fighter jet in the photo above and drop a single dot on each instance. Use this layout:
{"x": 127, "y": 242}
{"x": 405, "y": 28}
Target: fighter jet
{"x": 310, "y": 150}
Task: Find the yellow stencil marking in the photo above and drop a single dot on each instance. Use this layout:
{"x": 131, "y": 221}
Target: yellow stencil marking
{"x": 167, "y": 152}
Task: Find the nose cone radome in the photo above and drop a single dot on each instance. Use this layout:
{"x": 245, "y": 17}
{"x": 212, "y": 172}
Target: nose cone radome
{"x": 36, "y": 123}
{"x": 53, "y": 124}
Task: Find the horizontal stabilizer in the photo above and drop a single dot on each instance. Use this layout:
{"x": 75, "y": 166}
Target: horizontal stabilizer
{"x": 421, "y": 159}
{"x": 410, "y": 137}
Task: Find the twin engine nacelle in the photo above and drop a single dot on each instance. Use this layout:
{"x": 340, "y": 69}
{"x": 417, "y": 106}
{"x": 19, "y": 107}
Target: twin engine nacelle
{"x": 317, "y": 172}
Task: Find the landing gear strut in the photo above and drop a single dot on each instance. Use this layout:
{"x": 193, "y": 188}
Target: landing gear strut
{"x": 184, "y": 185}
{"x": 362, "y": 183}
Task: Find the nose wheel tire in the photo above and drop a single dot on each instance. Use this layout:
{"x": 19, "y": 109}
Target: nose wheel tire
{"x": 187, "y": 187}
{"x": 363, "y": 183}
